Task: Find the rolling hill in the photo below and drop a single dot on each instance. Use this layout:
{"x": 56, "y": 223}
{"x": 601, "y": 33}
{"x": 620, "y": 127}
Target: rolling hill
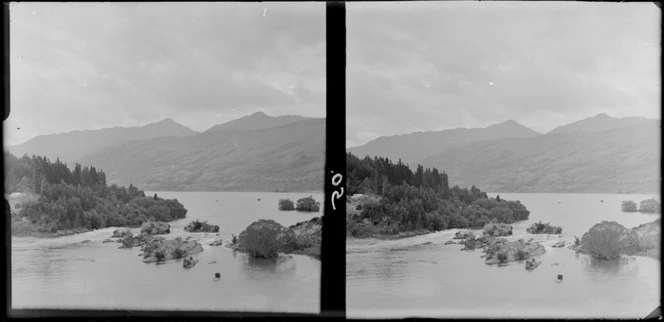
{"x": 72, "y": 146}
{"x": 412, "y": 148}
{"x": 598, "y": 123}
{"x": 289, "y": 157}
{"x": 624, "y": 159}
{"x": 256, "y": 121}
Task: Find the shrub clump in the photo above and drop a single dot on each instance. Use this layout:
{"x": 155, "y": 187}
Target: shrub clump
{"x": 502, "y": 257}
{"x": 308, "y": 204}
{"x": 544, "y": 228}
{"x": 629, "y": 206}
{"x": 650, "y": 206}
{"x": 262, "y": 241}
{"x": 201, "y": 226}
{"x": 286, "y": 204}
{"x": 607, "y": 240}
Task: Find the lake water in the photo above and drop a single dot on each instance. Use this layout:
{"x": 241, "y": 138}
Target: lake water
{"x": 412, "y": 277}
{"x": 67, "y": 272}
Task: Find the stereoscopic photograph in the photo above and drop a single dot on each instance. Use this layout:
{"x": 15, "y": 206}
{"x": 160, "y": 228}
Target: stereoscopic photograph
{"x": 166, "y": 156}
{"x": 503, "y": 159}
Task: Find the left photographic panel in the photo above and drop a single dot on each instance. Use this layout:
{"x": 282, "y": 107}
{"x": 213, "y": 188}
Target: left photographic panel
{"x": 166, "y": 156}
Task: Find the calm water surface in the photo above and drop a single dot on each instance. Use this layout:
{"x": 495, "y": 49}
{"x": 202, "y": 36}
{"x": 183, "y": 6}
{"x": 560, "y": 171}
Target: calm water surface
{"x": 81, "y": 272}
{"x": 420, "y": 276}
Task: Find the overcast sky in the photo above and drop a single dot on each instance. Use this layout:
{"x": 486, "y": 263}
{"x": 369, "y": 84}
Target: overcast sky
{"x": 88, "y": 66}
{"x": 437, "y": 65}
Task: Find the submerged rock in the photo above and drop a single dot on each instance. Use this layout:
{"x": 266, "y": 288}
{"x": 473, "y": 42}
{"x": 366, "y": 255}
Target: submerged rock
{"x": 544, "y": 228}
{"x": 122, "y": 232}
{"x": 135, "y": 241}
{"x": 532, "y": 263}
{"x": 497, "y": 230}
{"x": 201, "y": 227}
{"x": 464, "y": 234}
{"x": 107, "y": 241}
{"x": 560, "y": 244}
{"x": 155, "y": 228}
{"x": 216, "y": 243}
{"x": 450, "y": 242}
{"x": 502, "y": 251}
{"x": 189, "y": 262}
{"x": 159, "y": 249}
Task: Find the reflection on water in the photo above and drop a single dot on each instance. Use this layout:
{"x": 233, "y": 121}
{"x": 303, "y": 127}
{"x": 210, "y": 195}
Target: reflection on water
{"x": 420, "y": 276}
{"x": 261, "y": 268}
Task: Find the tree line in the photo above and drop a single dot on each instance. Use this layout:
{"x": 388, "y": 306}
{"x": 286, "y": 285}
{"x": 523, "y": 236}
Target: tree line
{"x": 29, "y": 174}
{"x": 373, "y": 175}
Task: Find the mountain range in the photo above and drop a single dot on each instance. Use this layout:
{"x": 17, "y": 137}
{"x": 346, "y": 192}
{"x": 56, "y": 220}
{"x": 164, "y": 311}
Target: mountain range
{"x": 599, "y": 154}
{"x": 71, "y": 146}
{"x": 416, "y": 146}
{"x": 253, "y": 153}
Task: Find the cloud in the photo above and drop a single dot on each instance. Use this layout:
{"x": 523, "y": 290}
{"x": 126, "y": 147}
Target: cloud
{"x": 434, "y": 65}
{"x": 93, "y": 65}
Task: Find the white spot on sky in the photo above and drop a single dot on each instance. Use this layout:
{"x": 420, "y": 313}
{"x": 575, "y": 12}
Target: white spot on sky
{"x": 34, "y": 12}
{"x": 264, "y": 11}
{"x": 491, "y": 83}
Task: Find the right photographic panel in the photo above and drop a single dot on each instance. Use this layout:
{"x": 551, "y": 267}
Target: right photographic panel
{"x": 503, "y": 160}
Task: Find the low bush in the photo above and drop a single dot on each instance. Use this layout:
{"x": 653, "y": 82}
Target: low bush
{"x": 629, "y": 206}
{"x": 308, "y": 204}
{"x": 286, "y": 204}
{"x": 234, "y": 240}
{"x": 160, "y": 256}
{"x": 502, "y": 257}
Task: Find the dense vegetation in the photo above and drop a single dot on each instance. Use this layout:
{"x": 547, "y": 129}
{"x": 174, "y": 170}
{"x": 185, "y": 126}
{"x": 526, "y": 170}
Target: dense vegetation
{"x": 544, "y": 228}
{"x": 286, "y": 204}
{"x": 307, "y": 204}
{"x": 80, "y": 198}
{"x": 420, "y": 200}
{"x": 262, "y": 241}
{"x": 629, "y": 206}
{"x": 372, "y": 176}
{"x": 651, "y": 205}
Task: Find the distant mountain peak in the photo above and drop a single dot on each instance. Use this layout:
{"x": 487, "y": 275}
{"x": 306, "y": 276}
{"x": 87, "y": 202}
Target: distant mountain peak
{"x": 167, "y": 120}
{"x": 598, "y": 123}
{"x": 256, "y": 121}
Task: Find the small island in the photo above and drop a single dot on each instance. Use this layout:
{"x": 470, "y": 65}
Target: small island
{"x": 267, "y": 238}
{"x": 544, "y": 228}
{"x": 650, "y": 206}
{"x": 307, "y": 204}
{"x": 48, "y": 199}
{"x": 201, "y": 227}
{"x": 389, "y": 200}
